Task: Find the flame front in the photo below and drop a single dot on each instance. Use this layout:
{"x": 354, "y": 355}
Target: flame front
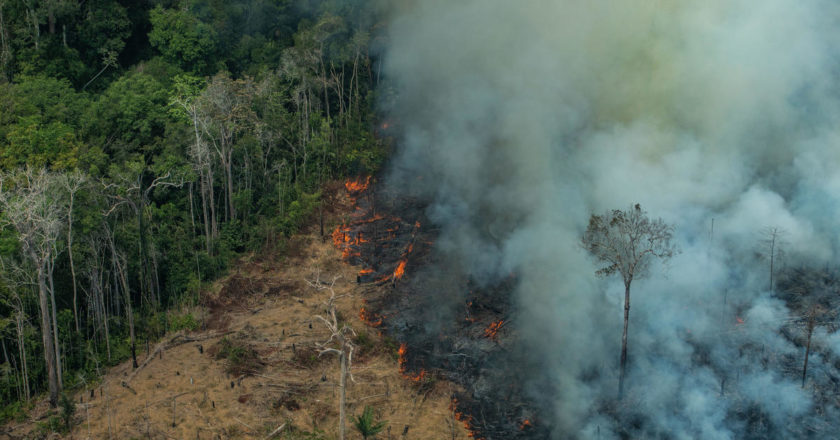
{"x": 466, "y": 419}
{"x": 356, "y": 186}
{"x": 492, "y": 330}
{"x": 400, "y": 271}
{"x": 372, "y": 319}
{"x": 525, "y": 423}
{"x": 404, "y": 369}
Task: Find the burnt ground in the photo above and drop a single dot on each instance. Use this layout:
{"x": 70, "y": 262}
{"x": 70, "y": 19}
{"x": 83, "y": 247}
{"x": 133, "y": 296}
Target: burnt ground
{"x": 458, "y": 329}
{"x": 468, "y": 341}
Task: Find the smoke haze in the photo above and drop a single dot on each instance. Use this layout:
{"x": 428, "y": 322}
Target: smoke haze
{"x": 524, "y": 118}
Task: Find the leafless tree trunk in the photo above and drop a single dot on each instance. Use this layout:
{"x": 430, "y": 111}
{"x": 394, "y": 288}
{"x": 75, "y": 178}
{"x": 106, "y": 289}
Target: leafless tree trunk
{"x": 72, "y": 184}
{"x": 22, "y": 352}
{"x": 772, "y": 249}
{"x": 624, "y": 340}
{"x": 341, "y": 337}
{"x": 812, "y": 318}
{"x": 129, "y": 311}
{"x": 57, "y": 346}
{"x": 46, "y": 336}
{"x": 33, "y": 208}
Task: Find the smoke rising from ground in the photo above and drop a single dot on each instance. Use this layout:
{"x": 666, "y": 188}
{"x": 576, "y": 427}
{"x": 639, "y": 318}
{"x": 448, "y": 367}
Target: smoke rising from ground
{"x": 523, "y": 118}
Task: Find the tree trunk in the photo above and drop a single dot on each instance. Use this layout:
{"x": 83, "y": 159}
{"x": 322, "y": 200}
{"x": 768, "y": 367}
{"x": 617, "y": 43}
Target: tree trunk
{"x": 807, "y": 350}
{"x": 229, "y": 178}
{"x": 70, "y": 255}
{"x": 51, "y": 18}
{"x": 208, "y": 234}
{"x": 58, "y": 369}
{"x": 211, "y": 196}
{"x": 5, "y": 52}
{"x": 22, "y": 350}
{"x": 128, "y": 309}
{"x": 145, "y": 290}
{"x": 342, "y": 394}
{"x": 772, "y": 255}
{"x": 46, "y": 337}
{"x": 624, "y": 341}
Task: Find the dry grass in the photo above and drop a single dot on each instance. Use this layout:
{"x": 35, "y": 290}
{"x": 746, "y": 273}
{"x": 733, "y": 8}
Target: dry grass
{"x": 268, "y": 308}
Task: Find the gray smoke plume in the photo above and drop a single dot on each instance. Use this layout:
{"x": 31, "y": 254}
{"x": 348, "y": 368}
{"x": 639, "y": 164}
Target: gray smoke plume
{"x": 523, "y": 118}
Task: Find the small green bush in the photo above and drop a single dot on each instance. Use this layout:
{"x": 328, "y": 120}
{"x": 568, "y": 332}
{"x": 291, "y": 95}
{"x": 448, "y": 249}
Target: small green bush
{"x": 240, "y": 357}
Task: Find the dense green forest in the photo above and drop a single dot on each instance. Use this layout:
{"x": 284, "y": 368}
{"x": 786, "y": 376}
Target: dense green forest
{"x": 146, "y": 144}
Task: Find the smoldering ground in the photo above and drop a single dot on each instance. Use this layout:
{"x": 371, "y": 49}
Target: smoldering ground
{"x": 524, "y": 118}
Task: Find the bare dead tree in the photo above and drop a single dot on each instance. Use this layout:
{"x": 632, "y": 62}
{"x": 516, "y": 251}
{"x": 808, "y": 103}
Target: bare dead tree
{"x": 627, "y": 242}
{"x": 202, "y": 162}
{"x": 30, "y": 205}
{"x": 72, "y": 182}
{"x": 771, "y": 247}
{"x": 131, "y": 190}
{"x": 340, "y": 343}
{"x": 224, "y": 113}
{"x": 814, "y": 294}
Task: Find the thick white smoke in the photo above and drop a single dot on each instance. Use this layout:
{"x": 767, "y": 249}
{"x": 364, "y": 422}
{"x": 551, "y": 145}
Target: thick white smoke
{"x": 525, "y": 117}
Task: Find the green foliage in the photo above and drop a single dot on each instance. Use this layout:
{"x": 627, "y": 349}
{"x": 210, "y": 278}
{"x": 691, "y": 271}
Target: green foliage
{"x": 130, "y": 115}
{"x": 393, "y": 347}
{"x": 53, "y": 424}
{"x": 13, "y": 411}
{"x": 366, "y": 423}
{"x": 60, "y": 423}
{"x": 299, "y": 212}
{"x": 150, "y": 101}
{"x": 293, "y": 433}
{"x": 182, "y": 38}
{"x": 68, "y": 409}
{"x": 240, "y": 357}
{"x": 185, "y": 321}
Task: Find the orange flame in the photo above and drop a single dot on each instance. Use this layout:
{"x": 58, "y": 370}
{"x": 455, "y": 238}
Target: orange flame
{"x": 738, "y": 320}
{"x": 465, "y": 419}
{"x": 525, "y": 423}
{"x": 492, "y": 330}
{"x": 366, "y": 271}
{"x": 357, "y": 185}
{"x": 370, "y": 318}
{"x": 400, "y": 271}
{"x": 404, "y": 369}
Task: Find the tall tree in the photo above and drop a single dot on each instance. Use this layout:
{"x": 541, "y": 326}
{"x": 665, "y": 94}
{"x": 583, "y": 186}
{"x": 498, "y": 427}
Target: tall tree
{"x": 72, "y": 183}
{"x": 226, "y": 109}
{"x": 30, "y": 205}
{"x": 627, "y": 242}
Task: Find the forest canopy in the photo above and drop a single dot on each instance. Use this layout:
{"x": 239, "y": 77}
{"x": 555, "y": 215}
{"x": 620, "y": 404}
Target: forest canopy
{"x": 144, "y": 145}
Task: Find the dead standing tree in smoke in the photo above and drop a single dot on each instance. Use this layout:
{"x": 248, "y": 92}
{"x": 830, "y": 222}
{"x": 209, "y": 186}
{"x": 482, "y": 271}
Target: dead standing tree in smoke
{"x": 627, "y": 241}
{"x": 771, "y": 247}
{"x": 814, "y": 301}
{"x": 342, "y": 337}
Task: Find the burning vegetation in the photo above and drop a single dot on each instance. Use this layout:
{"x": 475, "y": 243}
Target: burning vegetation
{"x": 492, "y": 330}
{"x": 387, "y": 238}
{"x": 372, "y": 319}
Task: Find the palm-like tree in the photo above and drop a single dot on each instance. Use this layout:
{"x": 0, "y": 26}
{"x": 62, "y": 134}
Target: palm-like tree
{"x": 367, "y": 425}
